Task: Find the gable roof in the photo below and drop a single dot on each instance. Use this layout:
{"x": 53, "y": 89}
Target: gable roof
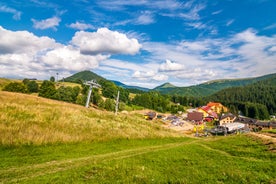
{"x": 230, "y": 115}
{"x": 205, "y": 108}
{"x": 217, "y": 104}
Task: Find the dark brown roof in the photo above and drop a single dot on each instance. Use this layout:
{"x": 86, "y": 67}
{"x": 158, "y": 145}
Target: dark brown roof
{"x": 223, "y": 116}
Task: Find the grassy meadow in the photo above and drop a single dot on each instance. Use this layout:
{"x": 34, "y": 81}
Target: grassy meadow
{"x": 47, "y": 141}
{"x": 27, "y": 119}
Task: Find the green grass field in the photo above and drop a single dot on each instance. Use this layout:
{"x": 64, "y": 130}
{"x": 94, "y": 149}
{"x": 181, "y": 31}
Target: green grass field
{"x": 46, "y": 141}
{"x": 235, "y": 159}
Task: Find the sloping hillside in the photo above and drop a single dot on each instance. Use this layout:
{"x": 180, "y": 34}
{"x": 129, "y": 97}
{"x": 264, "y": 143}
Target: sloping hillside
{"x": 4, "y": 82}
{"x": 27, "y": 119}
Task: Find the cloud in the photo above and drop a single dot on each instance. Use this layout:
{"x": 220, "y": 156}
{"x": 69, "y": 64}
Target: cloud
{"x": 21, "y": 42}
{"x": 272, "y": 26}
{"x": 157, "y": 4}
{"x": 32, "y": 56}
{"x": 197, "y": 25}
{"x": 170, "y": 66}
{"x": 245, "y": 54}
{"x": 25, "y": 55}
{"x": 105, "y": 41}
{"x": 272, "y": 49}
{"x": 160, "y": 77}
{"x": 145, "y": 19}
{"x": 188, "y": 10}
{"x": 16, "y": 14}
{"x": 230, "y": 22}
{"x": 193, "y": 12}
{"x": 123, "y": 65}
{"x": 81, "y": 26}
{"x": 217, "y": 12}
{"x": 149, "y": 76}
{"x": 47, "y": 23}
{"x": 70, "y": 59}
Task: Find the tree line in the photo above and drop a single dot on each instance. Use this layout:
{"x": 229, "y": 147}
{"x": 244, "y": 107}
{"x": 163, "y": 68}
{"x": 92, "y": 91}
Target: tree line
{"x": 255, "y": 101}
{"x": 103, "y": 98}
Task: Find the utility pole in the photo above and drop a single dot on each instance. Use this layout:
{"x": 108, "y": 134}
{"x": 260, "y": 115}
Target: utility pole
{"x": 91, "y": 84}
{"x": 57, "y": 77}
{"x": 117, "y": 103}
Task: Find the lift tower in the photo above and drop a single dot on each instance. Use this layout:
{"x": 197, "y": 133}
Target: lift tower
{"x": 91, "y": 84}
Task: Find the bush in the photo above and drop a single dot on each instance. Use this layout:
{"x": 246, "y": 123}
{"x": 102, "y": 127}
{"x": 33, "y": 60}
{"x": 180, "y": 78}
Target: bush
{"x": 16, "y": 87}
{"x": 109, "y": 104}
{"x": 47, "y": 89}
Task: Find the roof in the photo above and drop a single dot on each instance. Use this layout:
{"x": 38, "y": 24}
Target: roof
{"x": 211, "y": 104}
{"x": 245, "y": 120}
{"x": 151, "y": 114}
{"x": 205, "y": 108}
{"x": 196, "y": 116}
{"x": 230, "y": 115}
{"x": 213, "y": 114}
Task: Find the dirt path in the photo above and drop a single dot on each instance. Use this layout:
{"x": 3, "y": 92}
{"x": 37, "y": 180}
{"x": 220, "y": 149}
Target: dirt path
{"x": 265, "y": 136}
{"x": 17, "y": 174}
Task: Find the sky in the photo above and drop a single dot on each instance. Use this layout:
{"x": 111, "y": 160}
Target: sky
{"x": 138, "y": 42}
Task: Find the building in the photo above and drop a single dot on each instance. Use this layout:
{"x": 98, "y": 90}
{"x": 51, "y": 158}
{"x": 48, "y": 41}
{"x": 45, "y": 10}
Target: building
{"x": 227, "y": 118}
{"x": 217, "y": 107}
{"x": 195, "y": 116}
{"x": 150, "y": 115}
{"x": 207, "y": 112}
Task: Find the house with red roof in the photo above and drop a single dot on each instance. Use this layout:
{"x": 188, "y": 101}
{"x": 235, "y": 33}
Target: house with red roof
{"x": 208, "y": 113}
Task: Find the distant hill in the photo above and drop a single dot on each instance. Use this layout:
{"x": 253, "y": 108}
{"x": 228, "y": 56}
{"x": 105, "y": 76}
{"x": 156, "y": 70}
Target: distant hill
{"x": 208, "y": 88}
{"x": 201, "y": 90}
{"x": 165, "y": 86}
{"x": 84, "y": 76}
{"x": 88, "y": 75}
{"x": 120, "y": 84}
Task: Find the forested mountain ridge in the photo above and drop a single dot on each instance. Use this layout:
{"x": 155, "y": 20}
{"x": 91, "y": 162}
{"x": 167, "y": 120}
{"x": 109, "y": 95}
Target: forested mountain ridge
{"x": 261, "y": 92}
{"x": 131, "y": 88}
{"x": 201, "y": 90}
{"x": 211, "y": 87}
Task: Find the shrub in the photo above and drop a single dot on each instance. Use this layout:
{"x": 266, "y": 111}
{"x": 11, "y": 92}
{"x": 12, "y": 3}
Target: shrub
{"x": 16, "y": 87}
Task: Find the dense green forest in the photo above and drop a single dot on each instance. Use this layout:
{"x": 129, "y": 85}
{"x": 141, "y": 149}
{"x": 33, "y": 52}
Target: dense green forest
{"x": 256, "y": 100}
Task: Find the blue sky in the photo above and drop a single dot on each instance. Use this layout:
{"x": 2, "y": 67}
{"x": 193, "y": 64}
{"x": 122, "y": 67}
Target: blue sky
{"x": 144, "y": 43}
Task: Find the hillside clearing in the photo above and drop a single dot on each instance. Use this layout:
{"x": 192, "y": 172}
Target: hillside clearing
{"x": 27, "y": 119}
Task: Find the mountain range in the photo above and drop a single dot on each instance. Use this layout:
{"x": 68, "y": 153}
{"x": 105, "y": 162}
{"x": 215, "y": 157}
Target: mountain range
{"x": 201, "y": 90}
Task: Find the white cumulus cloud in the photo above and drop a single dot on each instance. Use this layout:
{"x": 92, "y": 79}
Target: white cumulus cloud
{"x": 23, "y": 54}
{"x": 70, "y": 58}
{"x": 23, "y": 42}
{"x": 105, "y": 41}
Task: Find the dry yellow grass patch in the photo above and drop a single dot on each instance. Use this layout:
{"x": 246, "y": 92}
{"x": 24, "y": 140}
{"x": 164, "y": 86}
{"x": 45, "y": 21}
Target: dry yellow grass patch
{"x": 28, "y": 119}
